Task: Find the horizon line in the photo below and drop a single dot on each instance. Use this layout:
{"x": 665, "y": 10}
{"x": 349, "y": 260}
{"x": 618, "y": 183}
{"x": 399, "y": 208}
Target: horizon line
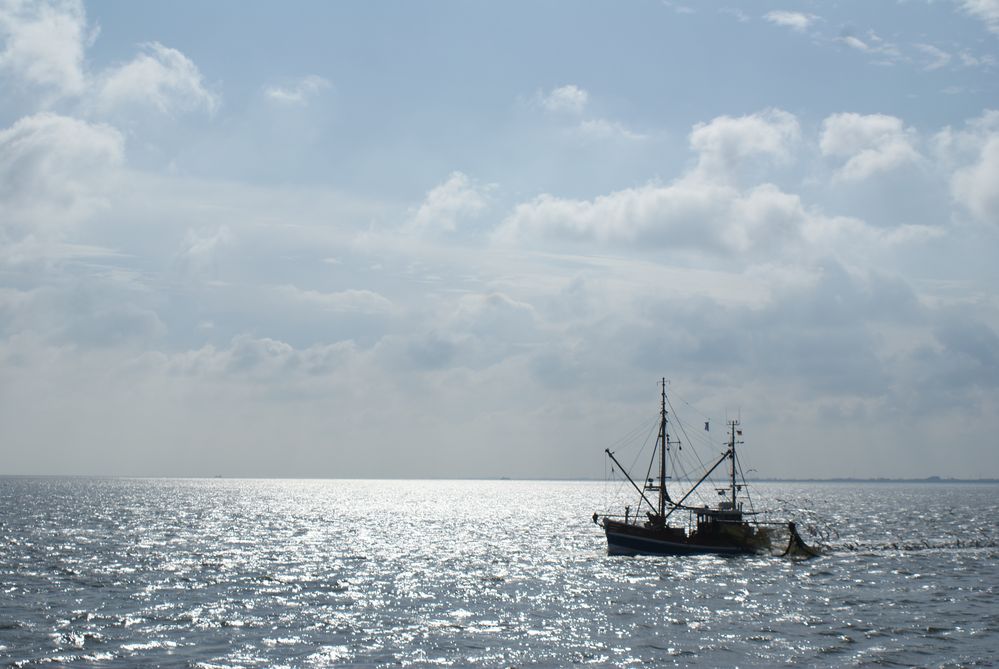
{"x": 833, "y": 479}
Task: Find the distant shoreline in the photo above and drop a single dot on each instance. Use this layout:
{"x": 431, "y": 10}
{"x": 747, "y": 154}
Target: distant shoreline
{"x": 931, "y": 479}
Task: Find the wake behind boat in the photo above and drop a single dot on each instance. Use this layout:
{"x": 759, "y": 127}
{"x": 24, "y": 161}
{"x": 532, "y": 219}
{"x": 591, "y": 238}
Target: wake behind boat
{"x": 656, "y": 527}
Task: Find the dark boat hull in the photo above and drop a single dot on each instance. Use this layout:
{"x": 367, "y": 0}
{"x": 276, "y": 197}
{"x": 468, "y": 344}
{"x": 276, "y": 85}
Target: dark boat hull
{"x": 626, "y": 539}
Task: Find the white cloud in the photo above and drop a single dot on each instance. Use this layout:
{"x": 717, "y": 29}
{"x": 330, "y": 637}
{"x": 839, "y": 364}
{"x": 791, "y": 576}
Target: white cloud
{"x": 494, "y": 315}
{"x": 797, "y": 21}
{"x": 986, "y": 11}
{"x": 976, "y": 186}
{"x": 706, "y": 212}
{"x": 854, "y": 236}
{"x": 725, "y": 142}
{"x": 690, "y": 214}
{"x": 700, "y": 211}
{"x": 765, "y": 217}
{"x": 572, "y": 100}
{"x": 969, "y": 59}
{"x": 448, "y": 204}
{"x": 602, "y": 129}
{"x": 201, "y": 250}
{"x": 871, "y": 143}
{"x": 569, "y": 99}
{"x": 342, "y": 301}
{"x": 937, "y": 57}
{"x": 626, "y": 215}
{"x": 43, "y": 43}
{"x": 33, "y": 249}
{"x": 298, "y": 92}
{"x": 54, "y": 170}
{"x": 855, "y": 42}
{"x": 695, "y": 215}
{"x": 874, "y": 45}
{"x": 161, "y": 78}
{"x": 956, "y": 147}
{"x": 261, "y": 358}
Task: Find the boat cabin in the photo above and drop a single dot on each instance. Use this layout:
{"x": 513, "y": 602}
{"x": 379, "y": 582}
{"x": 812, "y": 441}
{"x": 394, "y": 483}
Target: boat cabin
{"x": 723, "y": 514}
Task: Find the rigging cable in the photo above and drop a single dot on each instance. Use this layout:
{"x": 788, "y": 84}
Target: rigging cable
{"x": 648, "y": 473}
{"x": 692, "y": 407}
{"x": 631, "y": 436}
{"x": 745, "y": 485}
{"x": 638, "y": 507}
{"x": 689, "y": 440}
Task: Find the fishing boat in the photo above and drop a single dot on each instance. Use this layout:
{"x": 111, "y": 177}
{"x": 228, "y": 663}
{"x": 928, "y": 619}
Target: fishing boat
{"x": 667, "y": 526}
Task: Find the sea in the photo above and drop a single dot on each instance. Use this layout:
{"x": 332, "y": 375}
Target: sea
{"x": 218, "y": 573}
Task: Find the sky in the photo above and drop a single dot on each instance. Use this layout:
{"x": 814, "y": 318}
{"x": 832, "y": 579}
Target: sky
{"x": 467, "y": 239}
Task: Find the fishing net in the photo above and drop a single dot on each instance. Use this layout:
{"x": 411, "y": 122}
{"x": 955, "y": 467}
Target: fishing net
{"x": 796, "y": 546}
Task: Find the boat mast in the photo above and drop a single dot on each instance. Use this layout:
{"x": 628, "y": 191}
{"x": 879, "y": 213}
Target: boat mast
{"x": 663, "y": 442}
{"x": 731, "y": 446}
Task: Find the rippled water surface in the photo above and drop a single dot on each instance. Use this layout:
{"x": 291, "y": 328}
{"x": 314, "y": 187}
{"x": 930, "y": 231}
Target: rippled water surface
{"x": 262, "y": 573}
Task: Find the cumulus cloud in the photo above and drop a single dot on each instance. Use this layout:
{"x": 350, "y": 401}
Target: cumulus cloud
{"x": 697, "y": 211}
{"x": 448, "y": 204}
{"x": 871, "y": 144}
{"x": 677, "y": 212}
{"x": 572, "y": 101}
{"x": 44, "y": 42}
{"x": 708, "y": 218}
{"x": 161, "y": 78}
{"x": 690, "y": 214}
{"x": 765, "y": 216}
{"x": 976, "y": 186}
{"x": 829, "y": 233}
{"x": 797, "y": 21}
{"x": 726, "y": 142}
{"x": 569, "y": 99}
{"x": 986, "y": 11}
{"x": 297, "y": 92}
{"x": 706, "y": 211}
{"x": 54, "y": 170}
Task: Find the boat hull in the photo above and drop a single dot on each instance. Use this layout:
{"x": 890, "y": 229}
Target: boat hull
{"x": 624, "y": 539}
